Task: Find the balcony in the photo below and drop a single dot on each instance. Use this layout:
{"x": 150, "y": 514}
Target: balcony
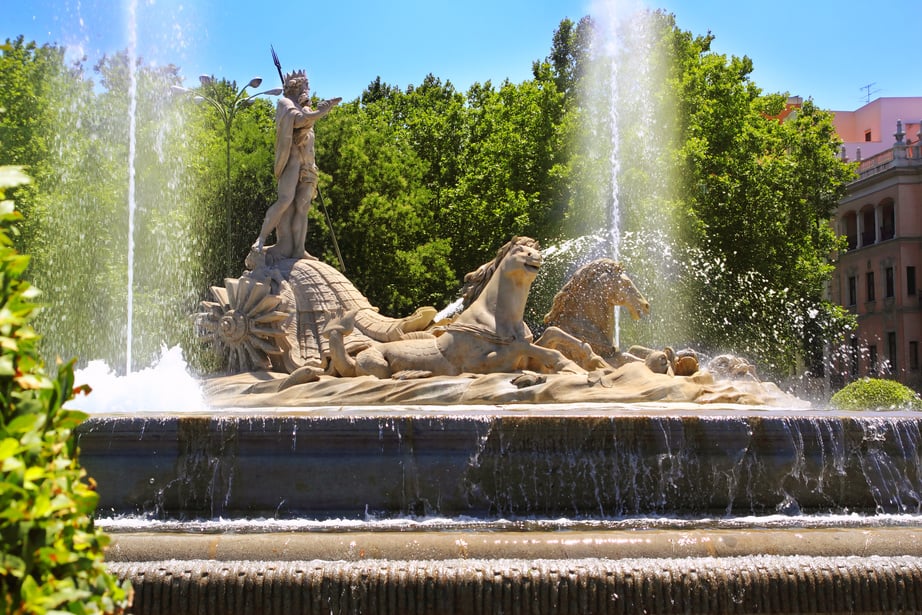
{"x": 875, "y": 164}
{"x": 902, "y": 154}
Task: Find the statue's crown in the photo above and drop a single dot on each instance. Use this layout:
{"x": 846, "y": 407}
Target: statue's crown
{"x": 298, "y": 74}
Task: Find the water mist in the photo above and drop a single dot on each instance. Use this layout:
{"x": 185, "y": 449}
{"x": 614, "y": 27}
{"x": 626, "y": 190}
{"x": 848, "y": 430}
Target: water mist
{"x": 628, "y": 190}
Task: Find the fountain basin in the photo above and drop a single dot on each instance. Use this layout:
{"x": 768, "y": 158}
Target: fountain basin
{"x": 549, "y": 461}
{"x": 623, "y": 476}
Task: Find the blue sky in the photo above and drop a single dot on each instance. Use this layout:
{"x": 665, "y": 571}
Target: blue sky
{"x": 811, "y": 48}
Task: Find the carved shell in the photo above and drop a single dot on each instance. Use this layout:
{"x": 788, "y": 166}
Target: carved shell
{"x": 273, "y": 317}
{"x": 244, "y": 324}
{"x": 316, "y": 293}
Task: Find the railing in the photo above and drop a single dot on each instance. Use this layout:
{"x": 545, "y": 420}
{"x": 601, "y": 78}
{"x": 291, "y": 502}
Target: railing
{"x": 877, "y": 160}
{"x": 886, "y": 159}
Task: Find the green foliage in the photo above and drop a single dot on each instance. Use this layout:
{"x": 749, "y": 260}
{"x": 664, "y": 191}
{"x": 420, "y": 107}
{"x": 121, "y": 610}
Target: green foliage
{"x": 743, "y": 198}
{"x": 52, "y": 556}
{"x": 422, "y": 184}
{"x": 762, "y": 191}
{"x": 875, "y": 394}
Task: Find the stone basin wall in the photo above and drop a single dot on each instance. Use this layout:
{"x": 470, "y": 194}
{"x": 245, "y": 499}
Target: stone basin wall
{"x": 592, "y": 462}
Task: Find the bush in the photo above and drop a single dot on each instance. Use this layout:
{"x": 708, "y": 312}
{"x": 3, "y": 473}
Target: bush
{"x": 52, "y": 555}
{"x": 875, "y": 394}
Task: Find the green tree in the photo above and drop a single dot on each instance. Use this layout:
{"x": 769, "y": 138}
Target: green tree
{"x": 723, "y": 209}
{"x": 761, "y": 191}
{"x": 380, "y": 206}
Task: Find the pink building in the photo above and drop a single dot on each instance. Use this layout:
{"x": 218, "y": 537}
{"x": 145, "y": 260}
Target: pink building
{"x": 878, "y": 277}
{"x": 869, "y": 130}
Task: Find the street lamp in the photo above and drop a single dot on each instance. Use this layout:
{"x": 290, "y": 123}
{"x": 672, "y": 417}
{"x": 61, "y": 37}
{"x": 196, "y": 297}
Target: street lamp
{"x": 228, "y": 110}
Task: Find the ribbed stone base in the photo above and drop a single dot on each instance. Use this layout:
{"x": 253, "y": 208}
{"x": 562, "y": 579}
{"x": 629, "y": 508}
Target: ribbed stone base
{"x": 753, "y": 584}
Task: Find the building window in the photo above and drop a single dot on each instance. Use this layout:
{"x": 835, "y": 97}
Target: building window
{"x": 852, "y": 290}
{"x": 851, "y": 230}
{"x": 867, "y": 233}
{"x": 867, "y": 136}
{"x": 910, "y": 281}
{"x": 888, "y": 275}
{"x": 914, "y": 356}
{"x": 870, "y": 278}
{"x": 891, "y": 351}
{"x": 872, "y": 360}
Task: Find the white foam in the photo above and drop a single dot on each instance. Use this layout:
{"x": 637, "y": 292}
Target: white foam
{"x": 165, "y": 386}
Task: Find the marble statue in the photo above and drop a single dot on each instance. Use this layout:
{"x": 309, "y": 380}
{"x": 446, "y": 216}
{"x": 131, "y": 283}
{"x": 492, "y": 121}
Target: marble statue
{"x": 295, "y": 169}
{"x": 297, "y": 332}
{"x": 489, "y": 336}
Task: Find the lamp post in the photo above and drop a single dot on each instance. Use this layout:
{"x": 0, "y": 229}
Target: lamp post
{"x": 227, "y": 109}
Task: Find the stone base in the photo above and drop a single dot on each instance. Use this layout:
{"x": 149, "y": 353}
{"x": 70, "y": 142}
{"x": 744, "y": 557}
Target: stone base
{"x": 754, "y": 584}
{"x": 589, "y": 462}
{"x": 545, "y": 461}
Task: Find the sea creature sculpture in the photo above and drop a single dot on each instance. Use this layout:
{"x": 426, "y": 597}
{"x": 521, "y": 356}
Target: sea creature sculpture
{"x": 584, "y": 307}
{"x": 489, "y": 335}
{"x": 244, "y": 324}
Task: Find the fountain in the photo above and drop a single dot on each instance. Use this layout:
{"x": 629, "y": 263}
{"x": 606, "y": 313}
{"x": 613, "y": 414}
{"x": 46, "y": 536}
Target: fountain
{"x": 483, "y": 471}
{"x": 602, "y": 491}
{"x": 570, "y": 478}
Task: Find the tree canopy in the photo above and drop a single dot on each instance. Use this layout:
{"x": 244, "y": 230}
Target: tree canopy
{"x": 421, "y": 185}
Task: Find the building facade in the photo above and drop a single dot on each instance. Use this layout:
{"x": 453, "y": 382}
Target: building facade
{"x": 878, "y": 277}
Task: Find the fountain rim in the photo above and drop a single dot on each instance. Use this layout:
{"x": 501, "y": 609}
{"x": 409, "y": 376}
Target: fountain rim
{"x": 512, "y": 410}
{"x": 489, "y": 545}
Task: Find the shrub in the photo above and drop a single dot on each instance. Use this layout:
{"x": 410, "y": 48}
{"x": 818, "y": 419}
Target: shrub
{"x": 875, "y": 394}
{"x": 52, "y": 555}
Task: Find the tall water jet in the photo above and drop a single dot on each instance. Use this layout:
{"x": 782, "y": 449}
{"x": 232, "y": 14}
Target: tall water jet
{"x": 607, "y": 47}
{"x": 610, "y": 20}
{"x": 627, "y": 105}
{"x": 132, "y": 144}
{"x": 111, "y": 238}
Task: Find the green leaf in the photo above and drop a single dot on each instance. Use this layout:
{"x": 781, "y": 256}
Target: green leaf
{"x": 24, "y": 423}
{"x": 12, "y": 565}
{"x": 8, "y": 447}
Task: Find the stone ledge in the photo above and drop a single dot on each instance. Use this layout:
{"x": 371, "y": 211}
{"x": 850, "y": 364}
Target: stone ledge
{"x": 356, "y": 546}
{"x": 754, "y": 584}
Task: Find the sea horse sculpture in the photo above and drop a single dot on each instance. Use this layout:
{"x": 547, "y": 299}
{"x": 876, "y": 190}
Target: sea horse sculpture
{"x": 305, "y": 318}
{"x": 489, "y": 336}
